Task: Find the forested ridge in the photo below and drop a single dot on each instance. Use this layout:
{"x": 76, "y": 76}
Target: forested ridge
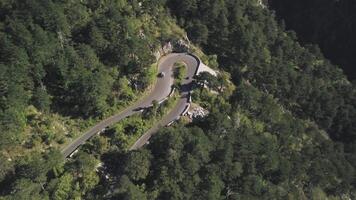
{"x": 331, "y": 24}
{"x": 67, "y": 58}
{"x": 286, "y": 130}
{"x": 251, "y": 45}
{"x": 63, "y": 65}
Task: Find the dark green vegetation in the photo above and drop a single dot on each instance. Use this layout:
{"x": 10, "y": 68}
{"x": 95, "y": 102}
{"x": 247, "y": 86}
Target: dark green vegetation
{"x": 291, "y": 132}
{"x": 80, "y": 59}
{"x": 286, "y": 132}
{"x": 252, "y": 46}
{"x": 252, "y": 149}
{"x": 329, "y": 23}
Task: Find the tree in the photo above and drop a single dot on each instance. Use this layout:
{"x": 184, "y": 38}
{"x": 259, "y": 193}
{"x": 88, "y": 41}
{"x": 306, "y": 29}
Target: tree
{"x": 85, "y": 166}
{"x": 137, "y": 165}
{"x": 26, "y": 189}
{"x": 84, "y": 162}
{"x": 55, "y": 162}
{"x": 213, "y": 187}
{"x": 33, "y": 167}
{"x": 155, "y": 106}
{"x": 128, "y": 191}
{"x": 6, "y": 167}
{"x": 123, "y": 90}
{"x": 198, "y": 32}
{"x": 63, "y": 187}
{"x": 205, "y": 79}
{"x": 89, "y": 180}
{"x": 41, "y": 99}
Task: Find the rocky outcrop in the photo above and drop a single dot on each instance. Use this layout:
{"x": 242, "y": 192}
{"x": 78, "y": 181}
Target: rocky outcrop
{"x": 163, "y": 50}
{"x": 179, "y": 46}
{"x": 197, "y": 112}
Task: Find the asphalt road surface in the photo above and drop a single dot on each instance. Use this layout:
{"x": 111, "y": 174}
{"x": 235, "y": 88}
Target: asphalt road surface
{"x": 160, "y": 91}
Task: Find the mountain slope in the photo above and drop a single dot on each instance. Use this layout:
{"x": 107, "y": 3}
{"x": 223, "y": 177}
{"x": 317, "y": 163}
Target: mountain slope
{"x": 286, "y": 132}
{"x": 330, "y": 24}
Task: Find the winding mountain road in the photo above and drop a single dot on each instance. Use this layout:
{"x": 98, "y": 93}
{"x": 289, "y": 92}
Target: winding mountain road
{"x": 160, "y": 92}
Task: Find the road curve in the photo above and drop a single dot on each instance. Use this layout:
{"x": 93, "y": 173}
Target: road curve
{"x": 160, "y": 91}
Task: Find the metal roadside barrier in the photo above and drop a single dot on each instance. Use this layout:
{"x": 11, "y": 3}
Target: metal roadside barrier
{"x": 172, "y": 92}
{"x": 185, "y": 109}
{"x": 163, "y": 100}
{"x": 170, "y": 123}
{"x": 189, "y": 97}
{"x": 198, "y": 60}
{"x": 92, "y": 131}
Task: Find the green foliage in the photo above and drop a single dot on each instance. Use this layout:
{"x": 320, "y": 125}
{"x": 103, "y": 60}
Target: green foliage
{"x": 127, "y": 190}
{"x": 217, "y": 84}
{"x": 63, "y": 187}
{"x": 258, "y": 152}
{"x": 179, "y": 72}
{"x": 330, "y": 24}
{"x": 6, "y": 167}
{"x": 266, "y": 141}
{"x": 137, "y": 165}
{"x": 26, "y": 189}
{"x": 254, "y": 47}
{"x": 33, "y": 168}
{"x": 80, "y": 60}
{"x": 41, "y": 99}
{"x": 66, "y": 57}
{"x": 126, "y": 130}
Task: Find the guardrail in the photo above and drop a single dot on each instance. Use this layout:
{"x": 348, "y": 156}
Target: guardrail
{"x": 198, "y": 60}
{"x": 91, "y": 132}
{"x": 172, "y": 92}
{"x": 171, "y": 122}
{"x": 189, "y": 97}
{"x": 185, "y": 109}
{"x": 163, "y": 100}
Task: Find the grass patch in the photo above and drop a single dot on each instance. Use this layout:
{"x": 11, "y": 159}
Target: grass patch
{"x": 179, "y": 71}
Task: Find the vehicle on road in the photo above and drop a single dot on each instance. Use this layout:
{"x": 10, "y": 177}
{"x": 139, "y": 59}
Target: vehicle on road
{"x": 161, "y": 75}
{"x": 159, "y": 92}
{"x": 74, "y": 152}
{"x": 139, "y": 109}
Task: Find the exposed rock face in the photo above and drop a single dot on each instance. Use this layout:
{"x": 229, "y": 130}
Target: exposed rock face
{"x": 197, "y": 112}
{"x": 205, "y": 68}
{"x": 181, "y": 45}
{"x": 167, "y": 48}
{"x": 157, "y": 54}
{"x": 163, "y": 50}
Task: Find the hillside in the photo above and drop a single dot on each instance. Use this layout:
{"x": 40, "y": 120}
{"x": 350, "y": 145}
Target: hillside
{"x": 281, "y": 122}
{"x": 330, "y": 24}
{"x": 65, "y": 65}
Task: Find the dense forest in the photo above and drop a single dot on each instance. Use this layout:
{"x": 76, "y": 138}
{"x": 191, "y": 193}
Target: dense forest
{"x": 329, "y": 23}
{"x": 70, "y": 57}
{"x": 251, "y": 45}
{"x": 286, "y": 130}
{"x": 252, "y": 149}
{"x": 63, "y": 62}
